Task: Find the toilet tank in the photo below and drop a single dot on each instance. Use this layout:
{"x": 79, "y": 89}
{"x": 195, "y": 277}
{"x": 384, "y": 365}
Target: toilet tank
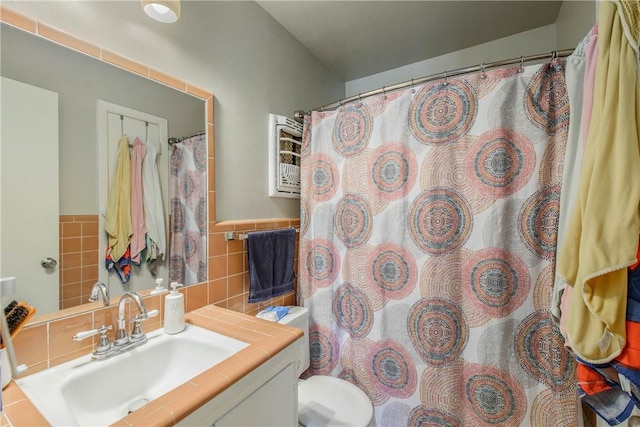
{"x": 298, "y": 317}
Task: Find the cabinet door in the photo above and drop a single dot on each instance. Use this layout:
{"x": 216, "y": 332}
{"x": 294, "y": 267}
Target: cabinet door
{"x": 273, "y": 404}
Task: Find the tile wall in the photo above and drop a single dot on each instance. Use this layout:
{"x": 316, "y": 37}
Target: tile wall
{"x": 78, "y": 266}
{"x": 49, "y": 343}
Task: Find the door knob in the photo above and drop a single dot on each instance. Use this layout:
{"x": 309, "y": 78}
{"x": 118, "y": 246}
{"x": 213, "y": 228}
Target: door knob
{"x": 48, "y": 262}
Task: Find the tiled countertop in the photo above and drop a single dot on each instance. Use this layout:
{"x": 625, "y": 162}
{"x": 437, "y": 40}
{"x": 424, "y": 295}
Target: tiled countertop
{"x": 265, "y": 340}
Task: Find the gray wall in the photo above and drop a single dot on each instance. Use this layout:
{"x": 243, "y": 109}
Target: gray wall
{"x": 574, "y": 21}
{"x": 80, "y": 81}
{"x": 232, "y": 48}
{"x": 530, "y": 42}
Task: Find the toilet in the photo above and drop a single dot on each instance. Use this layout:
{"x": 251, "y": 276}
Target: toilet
{"x": 325, "y": 400}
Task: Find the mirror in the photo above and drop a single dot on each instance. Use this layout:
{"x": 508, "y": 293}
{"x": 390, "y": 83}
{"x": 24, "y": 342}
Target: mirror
{"x": 80, "y": 81}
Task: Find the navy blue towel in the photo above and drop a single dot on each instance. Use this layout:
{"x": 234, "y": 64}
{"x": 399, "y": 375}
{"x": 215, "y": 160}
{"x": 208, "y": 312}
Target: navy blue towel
{"x": 270, "y": 255}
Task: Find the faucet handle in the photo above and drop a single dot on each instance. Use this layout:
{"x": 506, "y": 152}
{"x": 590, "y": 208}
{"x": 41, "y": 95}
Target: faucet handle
{"x": 86, "y": 334}
{"x": 139, "y": 317}
{"x": 137, "y": 334}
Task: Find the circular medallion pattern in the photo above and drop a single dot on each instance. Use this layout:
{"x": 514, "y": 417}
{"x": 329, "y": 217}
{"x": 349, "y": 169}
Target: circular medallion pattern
{"x": 188, "y": 185}
{"x": 352, "y": 130}
{"x": 422, "y": 416}
{"x": 438, "y": 330}
{"x": 547, "y": 103}
{"x": 441, "y": 386}
{"x": 393, "y": 171}
{"x": 305, "y": 149}
{"x": 540, "y": 349}
{"x": 191, "y": 248}
{"x": 353, "y": 220}
{"x": 498, "y": 281}
{"x": 201, "y": 217}
{"x": 177, "y": 216}
{"x": 543, "y": 289}
{"x": 444, "y": 167}
{"x": 538, "y": 222}
{"x": 322, "y": 179}
{"x": 440, "y": 221}
{"x": 352, "y": 310}
{"x": 175, "y": 163}
{"x": 393, "y": 369}
{"x": 442, "y": 113}
{"x": 200, "y": 154}
{"x": 393, "y": 270}
{"x": 493, "y": 395}
{"x": 548, "y": 409}
{"x": 500, "y": 162}
{"x": 322, "y": 263}
{"x": 176, "y": 269}
{"x": 305, "y": 212}
{"x": 324, "y": 350}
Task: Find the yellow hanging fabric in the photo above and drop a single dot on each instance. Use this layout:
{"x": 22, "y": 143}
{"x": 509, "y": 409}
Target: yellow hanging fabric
{"x": 602, "y": 237}
{"x": 118, "y": 219}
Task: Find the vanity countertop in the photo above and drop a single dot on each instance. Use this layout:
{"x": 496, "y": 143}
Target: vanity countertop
{"x": 265, "y": 340}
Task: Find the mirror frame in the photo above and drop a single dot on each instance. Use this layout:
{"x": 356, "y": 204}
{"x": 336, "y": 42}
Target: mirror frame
{"x": 49, "y": 33}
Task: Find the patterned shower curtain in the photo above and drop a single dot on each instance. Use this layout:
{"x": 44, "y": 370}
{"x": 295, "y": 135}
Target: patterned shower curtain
{"x": 189, "y": 211}
{"x": 428, "y": 239}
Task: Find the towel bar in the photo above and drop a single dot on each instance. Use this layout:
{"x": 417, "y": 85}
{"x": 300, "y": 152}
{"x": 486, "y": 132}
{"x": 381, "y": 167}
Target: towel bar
{"x": 232, "y": 235}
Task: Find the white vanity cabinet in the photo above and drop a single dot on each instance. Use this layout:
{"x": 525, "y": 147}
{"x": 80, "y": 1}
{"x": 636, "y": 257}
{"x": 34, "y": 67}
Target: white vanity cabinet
{"x": 265, "y": 397}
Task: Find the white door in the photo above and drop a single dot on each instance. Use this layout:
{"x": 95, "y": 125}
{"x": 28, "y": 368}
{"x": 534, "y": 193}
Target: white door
{"x": 29, "y": 212}
{"x": 113, "y": 122}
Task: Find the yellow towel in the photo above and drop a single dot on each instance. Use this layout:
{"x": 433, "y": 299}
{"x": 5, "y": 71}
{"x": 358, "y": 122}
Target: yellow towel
{"x": 118, "y": 219}
{"x": 602, "y": 236}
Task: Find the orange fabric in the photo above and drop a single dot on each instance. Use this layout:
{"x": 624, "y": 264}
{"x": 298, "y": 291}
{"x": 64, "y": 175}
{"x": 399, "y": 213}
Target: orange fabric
{"x": 591, "y": 382}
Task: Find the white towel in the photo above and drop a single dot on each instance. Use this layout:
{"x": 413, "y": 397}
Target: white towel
{"x": 153, "y": 206}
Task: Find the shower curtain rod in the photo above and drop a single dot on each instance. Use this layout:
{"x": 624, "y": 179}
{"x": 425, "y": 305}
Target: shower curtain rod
{"x": 172, "y": 141}
{"x": 299, "y": 114}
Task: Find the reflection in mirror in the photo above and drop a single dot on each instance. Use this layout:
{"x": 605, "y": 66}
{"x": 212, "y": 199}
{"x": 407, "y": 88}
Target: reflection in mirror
{"x": 80, "y": 81}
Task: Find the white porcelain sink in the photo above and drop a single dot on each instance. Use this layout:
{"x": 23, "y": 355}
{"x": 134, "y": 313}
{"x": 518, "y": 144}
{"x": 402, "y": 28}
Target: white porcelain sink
{"x": 96, "y": 393}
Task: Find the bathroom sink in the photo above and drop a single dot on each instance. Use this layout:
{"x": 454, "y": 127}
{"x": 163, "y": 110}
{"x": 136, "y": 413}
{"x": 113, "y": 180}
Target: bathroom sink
{"x": 85, "y": 392}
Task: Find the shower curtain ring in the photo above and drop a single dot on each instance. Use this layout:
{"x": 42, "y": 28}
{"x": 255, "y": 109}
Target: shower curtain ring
{"x": 413, "y": 88}
{"x": 484, "y": 71}
{"x": 521, "y": 68}
{"x": 384, "y": 93}
{"x": 445, "y": 78}
{"x": 554, "y": 54}
{"x": 360, "y": 100}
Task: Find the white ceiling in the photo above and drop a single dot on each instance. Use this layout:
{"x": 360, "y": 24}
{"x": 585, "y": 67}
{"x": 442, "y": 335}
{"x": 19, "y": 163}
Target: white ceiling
{"x": 358, "y": 38}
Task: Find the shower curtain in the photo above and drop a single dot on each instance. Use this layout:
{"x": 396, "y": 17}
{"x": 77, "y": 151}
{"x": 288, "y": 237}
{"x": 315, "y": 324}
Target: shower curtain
{"x": 428, "y": 237}
{"x": 188, "y": 211}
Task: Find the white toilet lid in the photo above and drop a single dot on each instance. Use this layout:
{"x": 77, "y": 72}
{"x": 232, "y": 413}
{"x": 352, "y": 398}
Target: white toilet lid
{"x": 329, "y": 401}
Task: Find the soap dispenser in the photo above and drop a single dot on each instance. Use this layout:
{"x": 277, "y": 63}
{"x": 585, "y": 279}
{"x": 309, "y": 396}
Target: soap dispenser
{"x": 159, "y": 288}
{"x": 174, "y": 310}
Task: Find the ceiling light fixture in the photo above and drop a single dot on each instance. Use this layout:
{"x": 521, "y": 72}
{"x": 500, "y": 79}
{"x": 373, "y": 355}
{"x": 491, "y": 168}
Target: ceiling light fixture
{"x": 167, "y": 11}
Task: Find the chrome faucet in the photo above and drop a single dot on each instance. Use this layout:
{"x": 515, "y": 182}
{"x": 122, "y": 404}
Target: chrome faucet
{"x": 123, "y": 341}
{"x": 99, "y": 289}
{"x": 122, "y": 337}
